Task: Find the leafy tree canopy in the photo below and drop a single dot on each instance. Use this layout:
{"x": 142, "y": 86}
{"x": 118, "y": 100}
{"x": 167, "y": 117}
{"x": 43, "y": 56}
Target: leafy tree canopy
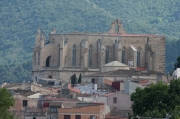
{"x": 73, "y": 79}
{"x": 80, "y": 79}
{"x": 177, "y": 64}
{"x": 157, "y": 100}
{"x": 6, "y": 101}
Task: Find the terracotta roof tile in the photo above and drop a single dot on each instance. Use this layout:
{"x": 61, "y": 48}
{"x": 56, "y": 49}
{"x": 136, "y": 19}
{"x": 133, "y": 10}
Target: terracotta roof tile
{"x": 109, "y": 94}
{"x": 108, "y": 82}
{"x": 137, "y": 35}
{"x": 73, "y": 89}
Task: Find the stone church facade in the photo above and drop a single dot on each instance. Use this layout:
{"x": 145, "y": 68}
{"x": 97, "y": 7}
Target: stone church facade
{"x": 62, "y": 55}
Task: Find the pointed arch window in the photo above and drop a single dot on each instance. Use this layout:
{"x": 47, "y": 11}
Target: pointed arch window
{"x": 59, "y": 55}
{"x": 48, "y": 59}
{"x": 34, "y": 58}
{"x": 38, "y": 58}
{"x": 90, "y": 56}
{"x": 123, "y": 55}
{"x": 74, "y": 56}
{"x": 138, "y": 57}
{"x": 107, "y": 54}
{"x": 114, "y": 52}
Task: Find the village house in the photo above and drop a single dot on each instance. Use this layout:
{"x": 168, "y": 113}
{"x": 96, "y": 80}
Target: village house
{"x": 84, "y": 111}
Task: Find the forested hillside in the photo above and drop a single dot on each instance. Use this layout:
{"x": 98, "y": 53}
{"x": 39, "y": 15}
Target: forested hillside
{"x": 19, "y": 20}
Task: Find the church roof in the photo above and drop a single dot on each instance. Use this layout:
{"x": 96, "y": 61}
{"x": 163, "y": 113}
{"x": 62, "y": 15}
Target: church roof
{"x": 116, "y": 63}
{"x": 36, "y": 95}
{"x": 122, "y": 72}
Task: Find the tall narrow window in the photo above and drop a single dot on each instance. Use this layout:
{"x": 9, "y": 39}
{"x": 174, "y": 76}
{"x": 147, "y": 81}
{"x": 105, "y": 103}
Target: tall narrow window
{"x": 114, "y": 52}
{"x": 138, "y": 58}
{"x": 38, "y": 58}
{"x": 59, "y": 58}
{"x": 107, "y": 54}
{"x": 114, "y": 100}
{"x": 90, "y": 55}
{"x": 123, "y": 55}
{"x": 34, "y": 58}
{"x": 74, "y": 56}
{"x": 36, "y": 79}
{"x": 48, "y": 61}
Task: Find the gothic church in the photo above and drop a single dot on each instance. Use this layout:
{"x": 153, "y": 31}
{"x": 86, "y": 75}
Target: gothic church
{"x": 62, "y": 55}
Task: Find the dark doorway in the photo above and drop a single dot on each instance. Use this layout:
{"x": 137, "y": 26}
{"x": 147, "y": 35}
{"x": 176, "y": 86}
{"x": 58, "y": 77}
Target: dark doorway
{"x": 48, "y": 61}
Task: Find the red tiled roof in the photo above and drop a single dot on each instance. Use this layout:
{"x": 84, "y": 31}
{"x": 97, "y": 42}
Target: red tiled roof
{"x": 61, "y": 99}
{"x": 109, "y": 94}
{"x": 115, "y": 34}
{"x": 54, "y": 90}
{"x": 140, "y": 68}
{"x": 143, "y": 81}
{"x": 108, "y": 82}
{"x": 114, "y": 117}
{"x": 73, "y": 89}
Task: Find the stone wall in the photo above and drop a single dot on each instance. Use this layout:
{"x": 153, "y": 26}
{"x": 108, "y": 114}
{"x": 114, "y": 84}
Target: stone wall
{"x": 156, "y": 48}
{"x": 43, "y": 90}
{"x": 63, "y": 75}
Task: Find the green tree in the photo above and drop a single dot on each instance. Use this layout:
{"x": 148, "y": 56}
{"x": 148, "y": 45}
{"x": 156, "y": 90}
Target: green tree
{"x": 80, "y": 79}
{"x": 174, "y": 91}
{"x": 177, "y": 64}
{"x": 6, "y": 101}
{"x": 157, "y": 100}
{"x": 176, "y": 112}
{"x": 73, "y": 79}
{"x": 150, "y": 100}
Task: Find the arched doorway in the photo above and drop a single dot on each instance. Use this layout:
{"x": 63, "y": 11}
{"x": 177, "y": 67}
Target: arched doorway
{"x": 48, "y": 61}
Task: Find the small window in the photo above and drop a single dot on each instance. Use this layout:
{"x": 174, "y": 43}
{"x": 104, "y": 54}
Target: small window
{"x": 53, "y": 109}
{"x": 24, "y": 103}
{"x": 92, "y": 117}
{"x": 114, "y": 100}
